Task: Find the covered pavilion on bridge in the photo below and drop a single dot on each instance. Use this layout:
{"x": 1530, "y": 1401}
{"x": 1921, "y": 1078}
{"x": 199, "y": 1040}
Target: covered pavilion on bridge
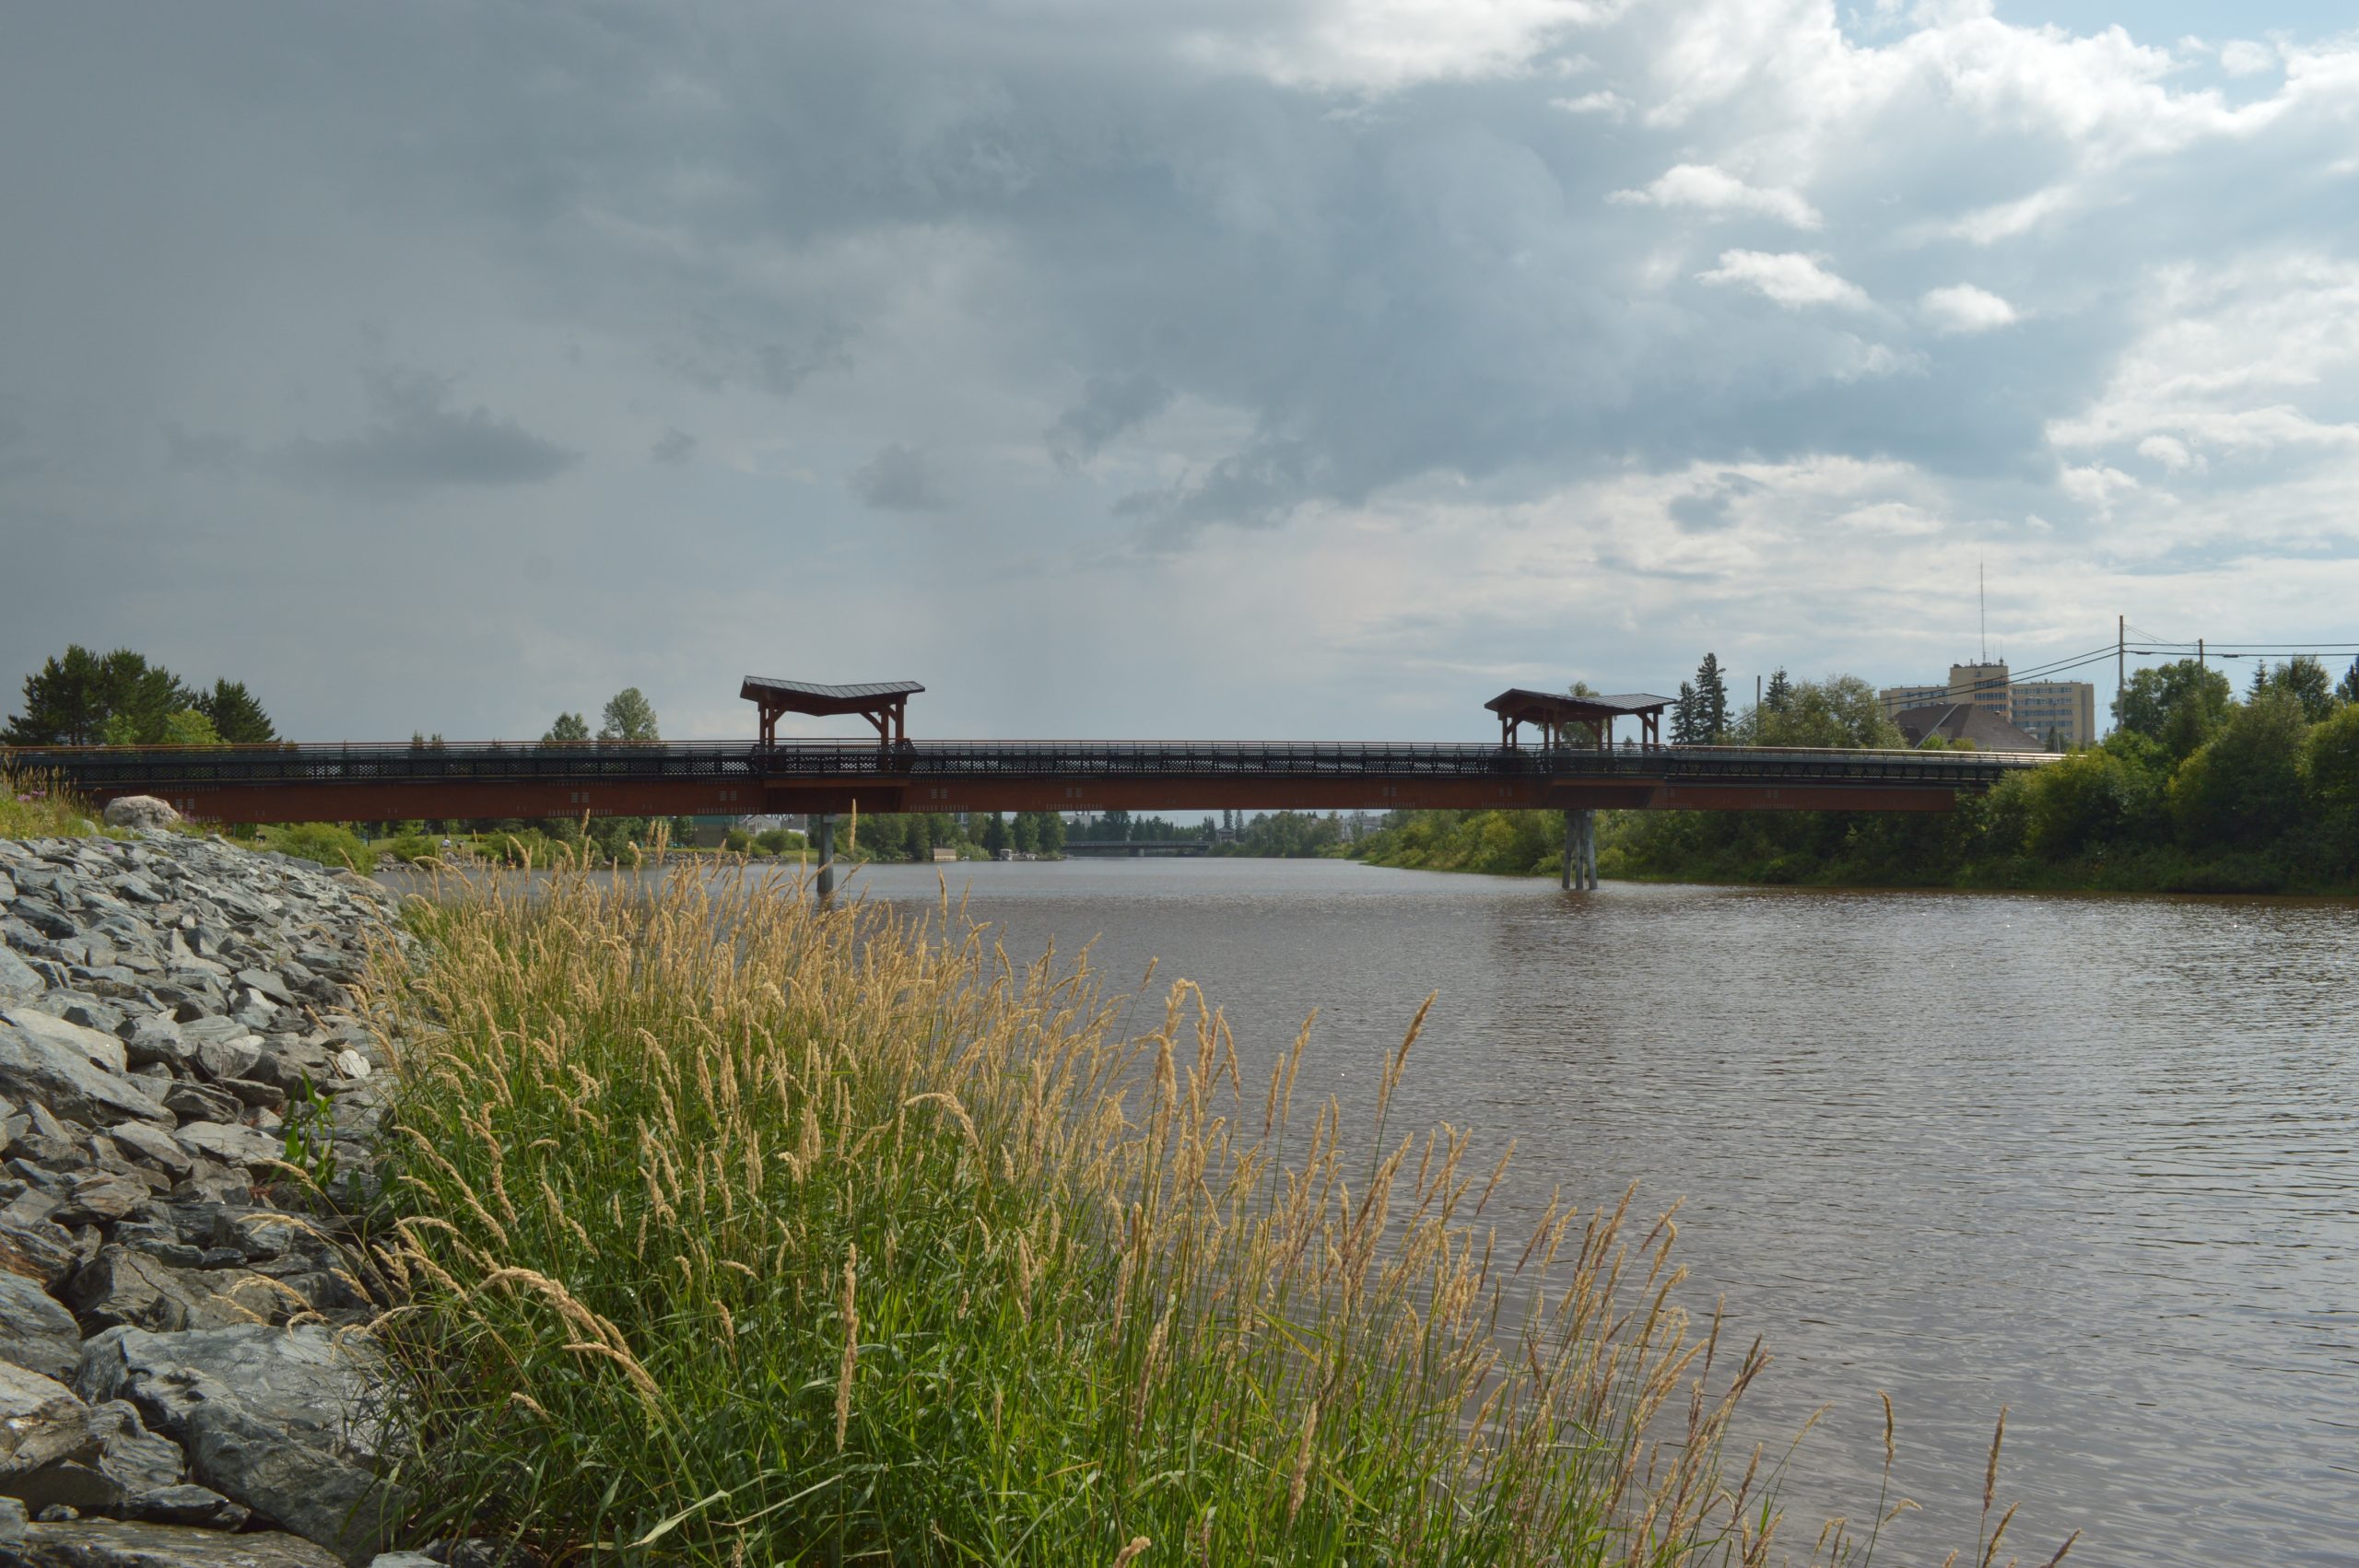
{"x": 1554, "y": 712}
{"x": 884, "y": 704}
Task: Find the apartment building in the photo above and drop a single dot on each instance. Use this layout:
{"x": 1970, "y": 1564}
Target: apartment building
{"x": 2067, "y": 709}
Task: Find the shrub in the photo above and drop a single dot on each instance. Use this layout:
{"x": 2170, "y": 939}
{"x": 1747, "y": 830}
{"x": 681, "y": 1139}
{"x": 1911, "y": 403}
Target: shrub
{"x": 326, "y": 842}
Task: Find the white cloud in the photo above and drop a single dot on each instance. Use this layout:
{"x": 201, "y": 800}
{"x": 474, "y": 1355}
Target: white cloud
{"x": 1787, "y": 277}
{"x": 1388, "y": 46}
{"x": 1716, "y": 190}
{"x": 1963, "y": 307}
{"x": 2242, "y": 57}
{"x": 1612, "y": 105}
{"x": 2095, "y": 486}
{"x": 2170, "y": 451}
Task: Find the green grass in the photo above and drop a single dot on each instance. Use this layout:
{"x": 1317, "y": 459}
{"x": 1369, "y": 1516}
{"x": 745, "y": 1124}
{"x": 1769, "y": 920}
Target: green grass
{"x": 38, "y": 805}
{"x": 739, "y": 1233}
{"x": 732, "y": 1231}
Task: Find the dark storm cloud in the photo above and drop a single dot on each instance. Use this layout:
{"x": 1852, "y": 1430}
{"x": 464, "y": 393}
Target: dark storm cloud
{"x": 898, "y": 479}
{"x": 1242, "y": 278}
{"x": 1108, "y": 406}
{"x": 420, "y": 440}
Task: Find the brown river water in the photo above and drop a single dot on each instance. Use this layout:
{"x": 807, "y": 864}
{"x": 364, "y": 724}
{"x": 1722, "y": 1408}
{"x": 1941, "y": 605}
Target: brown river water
{"x": 2096, "y": 1160}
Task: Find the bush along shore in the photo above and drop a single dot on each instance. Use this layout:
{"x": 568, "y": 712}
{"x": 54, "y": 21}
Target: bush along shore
{"x": 659, "y": 1220}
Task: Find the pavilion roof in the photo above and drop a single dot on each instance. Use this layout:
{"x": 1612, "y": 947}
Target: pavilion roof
{"x": 823, "y": 701}
{"x": 1524, "y": 705}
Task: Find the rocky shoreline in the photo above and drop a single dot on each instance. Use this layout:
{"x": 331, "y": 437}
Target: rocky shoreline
{"x": 186, "y": 1378}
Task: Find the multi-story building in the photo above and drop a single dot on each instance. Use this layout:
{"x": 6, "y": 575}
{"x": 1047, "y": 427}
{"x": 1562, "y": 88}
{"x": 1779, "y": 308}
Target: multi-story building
{"x": 2051, "y": 708}
{"x": 2065, "y": 709}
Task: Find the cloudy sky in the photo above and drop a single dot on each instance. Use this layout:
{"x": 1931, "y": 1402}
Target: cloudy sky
{"x": 1208, "y": 367}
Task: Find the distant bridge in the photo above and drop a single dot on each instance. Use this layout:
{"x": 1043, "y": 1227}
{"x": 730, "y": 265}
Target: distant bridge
{"x": 355, "y": 781}
{"x": 1135, "y": 847}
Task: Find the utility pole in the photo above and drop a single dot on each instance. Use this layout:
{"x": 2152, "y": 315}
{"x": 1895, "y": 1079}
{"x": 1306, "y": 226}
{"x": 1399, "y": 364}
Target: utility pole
{"x": 2199, "y": 651}
{"x": 2121, "y": 663}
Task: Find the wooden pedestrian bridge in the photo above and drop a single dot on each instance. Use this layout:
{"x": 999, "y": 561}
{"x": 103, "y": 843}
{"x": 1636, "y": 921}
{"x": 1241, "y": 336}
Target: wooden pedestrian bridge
{"x": 1574, "y": 766}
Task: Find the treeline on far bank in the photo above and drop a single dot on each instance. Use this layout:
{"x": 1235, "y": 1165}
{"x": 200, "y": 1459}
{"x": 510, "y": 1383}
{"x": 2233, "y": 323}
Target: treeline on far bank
{"x": 2194, "y": 791}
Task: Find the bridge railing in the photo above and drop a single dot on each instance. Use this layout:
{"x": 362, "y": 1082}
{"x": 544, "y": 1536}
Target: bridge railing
{"x": 115, "y": 768}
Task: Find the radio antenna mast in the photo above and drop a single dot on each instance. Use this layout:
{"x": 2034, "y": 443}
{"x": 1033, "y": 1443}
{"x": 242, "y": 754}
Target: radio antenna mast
{"x": 1982, "y": 596}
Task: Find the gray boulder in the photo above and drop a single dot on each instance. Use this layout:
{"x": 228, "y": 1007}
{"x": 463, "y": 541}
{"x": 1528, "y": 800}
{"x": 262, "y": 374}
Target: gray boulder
{"x": 121, "y": 1286}
{"x": 122, "y": 1543}
{"x": 139, "y": 1460}
{"x": 46, "y": 1060}
{"x": 36, "y": 1249}
{"x": 231, "y": 1145}
{"x": 145, "y": 1145}
{"x": 308, "y": 1382}
{"x": 41, "y": 1423}
{"x": 310, "y": 1491}
{"x": 17, "y": 977}
{"x": 35, "y": 1332}
{"x": 140, "y": 810}
{"x": 58, "y": 1031}
{"x": 157, "y": 1041}
{"x": 187, "y": 1503}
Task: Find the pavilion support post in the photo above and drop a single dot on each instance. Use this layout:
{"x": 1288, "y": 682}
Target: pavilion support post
{"x": 1572, "y": 847}
{"x": 823, "y": 825}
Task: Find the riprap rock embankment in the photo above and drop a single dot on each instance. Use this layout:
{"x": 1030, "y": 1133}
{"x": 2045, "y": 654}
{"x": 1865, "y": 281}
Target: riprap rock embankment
{"x": 183, "y": 1378}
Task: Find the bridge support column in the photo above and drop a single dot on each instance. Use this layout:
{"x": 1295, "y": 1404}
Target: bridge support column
{"x": 1580, "y": 852}
{"x": 822, "y": 833}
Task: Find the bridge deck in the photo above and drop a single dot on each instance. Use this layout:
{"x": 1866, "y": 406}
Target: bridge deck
{"x": 351, "y": 782}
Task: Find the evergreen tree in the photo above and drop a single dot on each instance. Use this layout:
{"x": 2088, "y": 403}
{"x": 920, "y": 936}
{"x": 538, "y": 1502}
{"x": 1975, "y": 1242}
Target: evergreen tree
{"x": 71, "y": 701}
{"x": 569, "y": 727}
{"x": 994, "y": 835}
{"x": 1780, "y": 692}
{"x": 1711, "y": 722}
{"x": 630, "y": 718}
{"x": 236, "y": 717}
{"x": 2348, "y": 688}
{"x": 1682, "y": 716}
{"x": 1053, "y": 834}
{"x": 1026, "y": 833}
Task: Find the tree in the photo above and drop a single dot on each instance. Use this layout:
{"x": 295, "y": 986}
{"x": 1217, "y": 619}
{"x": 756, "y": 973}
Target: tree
{"x": 630, "y": 718}
{"x": 1839, "y": 712}
{"x": 994, "y": 835}
{"x": 1711, "y": 701}
{"x": 1780, "y": 692}
{"x": 2303, "y": 679}
{"x": 569, "y": 727}
{"x": 1682, "y": 716}
{"x": 189, "y": 727}
{"x": 1053, "y": 834}
{"x": 72, "y": 700}
{"x": 1026, "y": 833}
{"x": 2347, "y": 689}
{"x": 2245, "y": 784}
{"x": 2330, "y": 759}
{"x": 2182, "y": 705}
{"x": 236, "y": 717}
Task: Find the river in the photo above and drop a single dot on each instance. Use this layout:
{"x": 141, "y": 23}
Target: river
{"x": 2096, "y": 1160}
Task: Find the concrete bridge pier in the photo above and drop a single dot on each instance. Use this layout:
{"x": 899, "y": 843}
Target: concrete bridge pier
{"x": 1580, "y": 851}
{"x": 822, "y": 833}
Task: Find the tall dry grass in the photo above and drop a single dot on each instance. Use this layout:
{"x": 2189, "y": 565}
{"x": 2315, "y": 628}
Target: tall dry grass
{"x": 39, "y": 805}
{"x": 736, "y": 1231}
